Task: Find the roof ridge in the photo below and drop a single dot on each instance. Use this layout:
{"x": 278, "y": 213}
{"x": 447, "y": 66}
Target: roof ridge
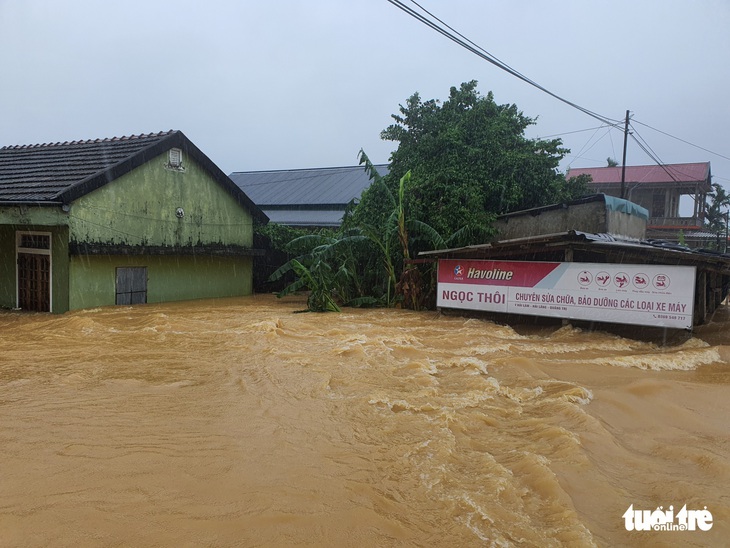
{"x": 89, "y": 141}
{"x": 646, "y": 165}
{"x": 306, "y": 169}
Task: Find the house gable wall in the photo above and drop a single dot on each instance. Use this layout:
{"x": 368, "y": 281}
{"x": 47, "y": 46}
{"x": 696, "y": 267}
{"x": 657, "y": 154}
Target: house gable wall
{"x": 141, "y": 209}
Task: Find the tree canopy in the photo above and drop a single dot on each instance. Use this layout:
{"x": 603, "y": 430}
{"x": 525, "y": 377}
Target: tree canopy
{"x": 715, "y": 217}
{"x": 458, "y": 165}
{"x": 469, "y": 160}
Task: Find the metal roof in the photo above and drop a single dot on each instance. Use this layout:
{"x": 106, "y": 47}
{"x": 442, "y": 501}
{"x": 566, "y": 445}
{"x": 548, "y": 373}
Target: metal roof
{"x": 644, "y": 251}
{"x": 58, "y": 173}
{"x": 306, "y": 217}
{"x": 696, "y": 173}
{"x": 305, "y": 187}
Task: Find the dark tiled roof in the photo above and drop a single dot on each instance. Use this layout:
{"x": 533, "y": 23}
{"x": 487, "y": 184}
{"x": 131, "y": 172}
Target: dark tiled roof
{"x": 305, "y": 187}
{"x": 62, "y": 172}
{"x": 43, "y": 172}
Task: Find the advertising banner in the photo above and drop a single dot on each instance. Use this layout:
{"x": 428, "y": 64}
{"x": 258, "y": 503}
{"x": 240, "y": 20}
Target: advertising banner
{"x": 656, "y": 295}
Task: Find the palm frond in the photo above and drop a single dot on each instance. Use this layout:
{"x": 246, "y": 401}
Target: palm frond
{"x": 369, "y": 166}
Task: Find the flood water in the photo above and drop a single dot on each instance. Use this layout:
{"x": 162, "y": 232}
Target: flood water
{"x": 239, "y": 423}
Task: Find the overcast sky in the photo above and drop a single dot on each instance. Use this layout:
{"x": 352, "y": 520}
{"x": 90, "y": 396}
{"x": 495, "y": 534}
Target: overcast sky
{"x": 260, "y": 85}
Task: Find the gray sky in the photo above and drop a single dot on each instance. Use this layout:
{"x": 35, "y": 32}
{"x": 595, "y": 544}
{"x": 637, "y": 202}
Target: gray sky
{"x": 296, "y": 84}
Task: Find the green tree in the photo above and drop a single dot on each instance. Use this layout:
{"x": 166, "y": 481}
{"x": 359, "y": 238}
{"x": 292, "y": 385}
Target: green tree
{"x": 328, "y": 271}
{"x": 469, "y": 160}
{"x": 574, "y": 187}
{"x": 457, "y": 166}
{"x": 716, "y": 213}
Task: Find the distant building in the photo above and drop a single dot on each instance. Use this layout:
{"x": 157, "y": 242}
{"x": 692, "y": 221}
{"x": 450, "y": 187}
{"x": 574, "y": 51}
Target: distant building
{"x": 659, "y": 189}
{"x": 306, "y": 197}
{"x": 145, "y": 218}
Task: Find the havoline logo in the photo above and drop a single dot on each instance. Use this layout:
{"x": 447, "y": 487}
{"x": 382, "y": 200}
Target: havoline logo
{"x": 489, "y": 274}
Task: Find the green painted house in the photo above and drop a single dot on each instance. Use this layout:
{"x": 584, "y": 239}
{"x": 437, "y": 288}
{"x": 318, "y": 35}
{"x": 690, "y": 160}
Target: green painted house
{"x": 140, "y": 219}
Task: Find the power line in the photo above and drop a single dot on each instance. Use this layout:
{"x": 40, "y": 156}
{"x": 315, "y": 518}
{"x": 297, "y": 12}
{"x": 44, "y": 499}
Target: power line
{"x": 584, "y": 149}
{"x": 477, "y": 50}
{"x": 474, "y": 48}
{"x": 648, "y": 150}
{"x": 683, "y": 141}
{"x": 571, "y": 132}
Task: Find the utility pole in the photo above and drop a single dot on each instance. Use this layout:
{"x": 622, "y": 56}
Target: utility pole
{"x": 623, "y": 162}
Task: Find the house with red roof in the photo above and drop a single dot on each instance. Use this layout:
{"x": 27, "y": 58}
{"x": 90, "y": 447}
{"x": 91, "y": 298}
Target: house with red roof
{"x": 659, "y": 189}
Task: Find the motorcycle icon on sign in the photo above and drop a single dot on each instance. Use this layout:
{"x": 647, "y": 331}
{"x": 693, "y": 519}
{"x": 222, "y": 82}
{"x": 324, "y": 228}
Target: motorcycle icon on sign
{"x": 602, "y": 279}
{"x": 621, "y": 280}
{"x": 641, "y": 281}
{"x": 661, "y": 281}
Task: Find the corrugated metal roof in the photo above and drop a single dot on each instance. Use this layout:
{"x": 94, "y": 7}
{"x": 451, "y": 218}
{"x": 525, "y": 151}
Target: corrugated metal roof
{"x": 305, "y": 187}
{"x": 650, "y": 251}
{"x": 308, "y": 217}
{"x": 669, "y": 174}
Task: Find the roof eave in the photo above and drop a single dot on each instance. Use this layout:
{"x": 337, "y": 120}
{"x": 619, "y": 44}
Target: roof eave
{"x": 43, "y": 203}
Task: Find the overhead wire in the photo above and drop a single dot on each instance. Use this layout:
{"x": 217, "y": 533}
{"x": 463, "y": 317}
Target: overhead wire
{"x": 477, "y": 50}
{"x": 474, "y": 48}
{"x": 584, "y": 149}
{"x": 571, "y": 132}
{"x": 682, "y": 140}
{"x": 650, "y": 152}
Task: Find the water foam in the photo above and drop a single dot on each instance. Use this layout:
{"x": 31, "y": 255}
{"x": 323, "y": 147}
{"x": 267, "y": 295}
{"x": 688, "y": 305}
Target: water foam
{"x": 683, "y": 360}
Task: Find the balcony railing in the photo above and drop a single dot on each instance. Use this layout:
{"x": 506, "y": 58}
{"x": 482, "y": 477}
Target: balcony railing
{"x": 675, "y": 221}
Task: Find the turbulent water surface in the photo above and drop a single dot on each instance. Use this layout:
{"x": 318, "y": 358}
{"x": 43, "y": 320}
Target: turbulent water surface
{"x": 239, "y": 423}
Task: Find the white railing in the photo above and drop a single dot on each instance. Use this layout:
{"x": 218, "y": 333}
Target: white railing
{"x": 675, "y": 221}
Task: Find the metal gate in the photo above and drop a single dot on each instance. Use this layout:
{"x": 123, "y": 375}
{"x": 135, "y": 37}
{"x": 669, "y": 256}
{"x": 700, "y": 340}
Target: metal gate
{"x": 131, "y": 287}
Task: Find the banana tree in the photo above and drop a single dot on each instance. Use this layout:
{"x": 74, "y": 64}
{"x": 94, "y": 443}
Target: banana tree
{"x": 328, "y": 272}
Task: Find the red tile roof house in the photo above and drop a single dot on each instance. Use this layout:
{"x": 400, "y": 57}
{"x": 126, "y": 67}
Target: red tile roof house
{"x": 658, "y": 189}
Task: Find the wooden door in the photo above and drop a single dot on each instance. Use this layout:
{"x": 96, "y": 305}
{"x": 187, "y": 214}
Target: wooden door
{"x": 34, "y": 282}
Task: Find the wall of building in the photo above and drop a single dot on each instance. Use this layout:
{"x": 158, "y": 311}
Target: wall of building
{"x": 645, "y": 198}
{"x": 600, "y": 214}
{"x": 169, "y": 278}
{"x": 7, "y": 267}
{"x": 59, "y": 264}
{"x": 589, "y": 217}
{"x": 153, "y": 205}
{"x": 619, "y": 223}
{"x": 157, "y": 206}
{"x": 142, "y": 208}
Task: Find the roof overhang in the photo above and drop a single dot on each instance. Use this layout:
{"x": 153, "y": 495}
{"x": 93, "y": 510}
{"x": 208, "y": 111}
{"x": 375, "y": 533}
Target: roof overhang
{"x": 596, "y": 247}
{"x": 83, "y": 248}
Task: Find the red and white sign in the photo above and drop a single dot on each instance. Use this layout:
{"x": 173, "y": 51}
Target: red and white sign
{"x": 657, "y": 295}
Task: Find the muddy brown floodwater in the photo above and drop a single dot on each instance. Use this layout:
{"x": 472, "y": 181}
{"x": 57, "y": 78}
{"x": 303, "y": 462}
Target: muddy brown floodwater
{"x": 239, "y": 423}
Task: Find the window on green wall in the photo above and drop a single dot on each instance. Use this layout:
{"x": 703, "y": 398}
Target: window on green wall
{"x": 131, "y": 286}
